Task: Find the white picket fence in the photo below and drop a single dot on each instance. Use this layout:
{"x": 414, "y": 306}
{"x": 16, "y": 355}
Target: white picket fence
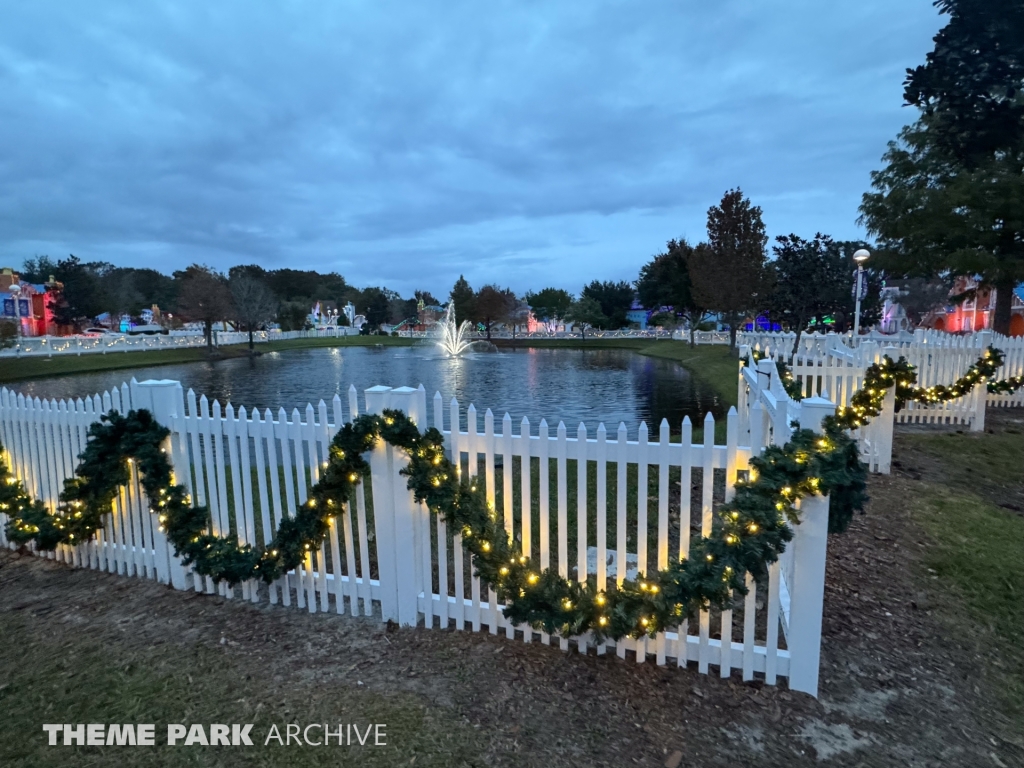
{"x": 107, "y": 343}
{"x": 113, "y": 343}
{"x": 940, "y": 358}
{"x": 826, "y": 365}
{"x": 596, "y": 504}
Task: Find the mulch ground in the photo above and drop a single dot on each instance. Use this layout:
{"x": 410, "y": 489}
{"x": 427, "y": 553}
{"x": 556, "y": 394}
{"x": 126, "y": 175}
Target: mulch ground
{"x": 901, "y": 684}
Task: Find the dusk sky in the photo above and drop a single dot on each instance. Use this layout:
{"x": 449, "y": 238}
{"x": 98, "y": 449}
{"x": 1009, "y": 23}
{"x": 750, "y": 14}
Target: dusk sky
{"x": 404, "y": 143}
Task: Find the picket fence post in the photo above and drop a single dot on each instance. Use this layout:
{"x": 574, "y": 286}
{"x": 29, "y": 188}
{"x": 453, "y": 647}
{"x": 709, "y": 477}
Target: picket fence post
{"x": 398, "y": 518}
{"x": 165, "y": 399}
{"x": 807, "y": 592}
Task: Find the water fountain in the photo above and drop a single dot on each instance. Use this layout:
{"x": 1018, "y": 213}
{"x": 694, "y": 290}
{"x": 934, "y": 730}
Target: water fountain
{"x": 453, "y": 339}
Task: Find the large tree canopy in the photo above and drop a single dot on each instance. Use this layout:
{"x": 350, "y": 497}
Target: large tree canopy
{"x": 950, "y": 200}
{"x": 971, "y": 83}
{"x": 731, "y": 276}
{"x": 84, "y": 295}
{"x": 464, "y": 299}
{"x": 494, "y": 306}
{"x": 811, "y": 281}
{"x": 204, "y": 297}
{"x": 937, "y": 216}
{"x": 586, "y": 313}
{"x": 615, "y": 299}
{"x": 549, "y": 304}
{"x": 665, "y": 282}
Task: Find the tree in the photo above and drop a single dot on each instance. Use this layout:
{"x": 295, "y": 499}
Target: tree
{"x": 730, "y": 275}
{"x": 666, "y": 320}
{"x": 400, "y": 309}
{"x": 948, "y": 202}
{"x": 377, "y": 303}
{"x": 254, "y": 303}
{"x": 615, "y": 300}
{"x": 464, "y": 298}
{"x": 292, "y": 315}
{"x": 970, "y": 85}
{"x": 38, "y": 269}
{"x": 587, "y": 313}
{"x": 426, "y": 297}
{"x": 918, "y": 296}
{"x": 125, "y": 298}
{"x": 494, "y": 306}
{"x": 518, "y": 316}
{"x": 937, "y": 217}
{"x": 203, "y": 297}
{"x": 83, "y": 296}
{"x": 665, "y": 282}
{"x": 549, "y": 304}
{"x": 811, "y": 281}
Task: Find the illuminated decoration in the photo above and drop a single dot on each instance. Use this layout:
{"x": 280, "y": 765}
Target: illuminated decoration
{"x": 789, "y": 383}
{"x": 866, "y": 403}
{"x": 452, "y": 338}
{"x": 749, "y": 532}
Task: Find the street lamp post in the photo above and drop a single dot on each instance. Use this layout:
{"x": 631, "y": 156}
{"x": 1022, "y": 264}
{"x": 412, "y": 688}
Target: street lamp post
{"x": 860, "y": 257}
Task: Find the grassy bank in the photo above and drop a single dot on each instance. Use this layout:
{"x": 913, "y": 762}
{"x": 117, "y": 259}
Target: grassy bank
{"x": 18, "y": 369}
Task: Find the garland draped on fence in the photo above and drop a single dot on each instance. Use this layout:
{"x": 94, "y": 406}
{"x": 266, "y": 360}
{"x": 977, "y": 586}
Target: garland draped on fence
{"x": 750, "y": 532}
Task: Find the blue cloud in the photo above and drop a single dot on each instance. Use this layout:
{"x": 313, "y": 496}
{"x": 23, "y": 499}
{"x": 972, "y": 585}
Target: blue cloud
{"x": 405, "y": 142}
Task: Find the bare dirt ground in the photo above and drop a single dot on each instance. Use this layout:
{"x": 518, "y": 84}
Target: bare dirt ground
{"x": 901, "y": 685}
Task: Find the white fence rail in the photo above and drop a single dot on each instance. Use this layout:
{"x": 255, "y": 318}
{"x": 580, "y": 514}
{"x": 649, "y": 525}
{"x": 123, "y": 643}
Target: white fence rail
{"x": 587, "y": 504}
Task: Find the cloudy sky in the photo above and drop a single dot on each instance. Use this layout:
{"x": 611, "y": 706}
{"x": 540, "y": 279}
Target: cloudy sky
{"x": 402, "y": 143}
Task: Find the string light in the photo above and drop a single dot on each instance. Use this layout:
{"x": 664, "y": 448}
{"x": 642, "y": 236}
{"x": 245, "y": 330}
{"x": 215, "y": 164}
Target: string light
{"x": 808, "y": 463}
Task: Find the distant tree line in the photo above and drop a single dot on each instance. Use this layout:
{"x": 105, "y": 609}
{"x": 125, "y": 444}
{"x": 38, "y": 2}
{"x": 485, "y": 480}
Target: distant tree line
{"x": 729, "y": 276}
{"x": 248, "y": 295}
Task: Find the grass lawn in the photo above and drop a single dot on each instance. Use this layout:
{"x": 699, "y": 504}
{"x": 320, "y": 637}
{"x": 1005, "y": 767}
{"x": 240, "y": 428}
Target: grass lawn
{"x": 973, "y": 515}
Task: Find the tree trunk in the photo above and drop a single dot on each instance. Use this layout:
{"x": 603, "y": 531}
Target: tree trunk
{"x": 796, "y": 342}
{"x": 208, "y": 328}
{"x": 693, "y": 338}
{"x": 250, "y": 340}
{"x": 1004, "y": 305}
{"x": 733, "y": 320}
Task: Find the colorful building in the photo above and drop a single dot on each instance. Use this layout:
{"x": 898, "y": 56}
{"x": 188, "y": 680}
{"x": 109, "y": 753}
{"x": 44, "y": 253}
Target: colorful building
{"x": 975, "y": 314}
{"x": 28, "y": 304}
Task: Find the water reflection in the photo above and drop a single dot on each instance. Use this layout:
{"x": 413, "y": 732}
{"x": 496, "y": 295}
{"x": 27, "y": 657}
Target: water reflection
{"x": 592, "y": 386}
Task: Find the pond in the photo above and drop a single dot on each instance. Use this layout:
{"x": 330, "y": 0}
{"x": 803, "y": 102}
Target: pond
{"x": 574, "y": 385}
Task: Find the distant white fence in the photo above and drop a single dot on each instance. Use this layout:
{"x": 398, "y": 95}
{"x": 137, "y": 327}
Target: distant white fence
{"x": 826, "y": 365}
{"x": 651, "y": 333}
{"x": 586, "y": 504}
{"x": 107, "y": 343}
{"x": 112, "y": 343}
{"x": 703, "y": 337}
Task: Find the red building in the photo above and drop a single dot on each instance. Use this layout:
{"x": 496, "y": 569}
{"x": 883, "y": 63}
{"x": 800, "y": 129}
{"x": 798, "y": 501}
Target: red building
{"x": 975, "y": 314}
{"x": 28, "y": 303}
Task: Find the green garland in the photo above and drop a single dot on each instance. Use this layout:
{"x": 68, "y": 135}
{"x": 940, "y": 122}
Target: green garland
{"x": 1006, "y": 386}
{"x": 866, "y": 402}
{"x": 749, "y": 532}
{"x": 789, "y": 382}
